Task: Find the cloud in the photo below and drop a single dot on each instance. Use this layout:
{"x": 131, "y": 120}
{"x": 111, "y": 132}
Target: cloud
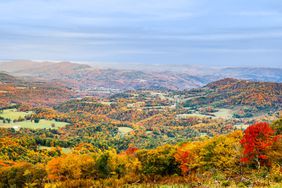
{"x": 142, "y": 31}
{"x": 263, "y": 13}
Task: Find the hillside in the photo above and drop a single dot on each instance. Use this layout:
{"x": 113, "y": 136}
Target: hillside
{"x": 18, "y": 90}
{"x": 233, "y": 92}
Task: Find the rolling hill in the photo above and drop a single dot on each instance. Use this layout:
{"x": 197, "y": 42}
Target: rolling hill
{"x": 234, "y": 92}
{"x": 35, "y": 93}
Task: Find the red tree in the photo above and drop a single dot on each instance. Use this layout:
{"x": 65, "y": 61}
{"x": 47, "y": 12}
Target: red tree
{"x": 131, "y": 150}
{"x": 256, "y": 140}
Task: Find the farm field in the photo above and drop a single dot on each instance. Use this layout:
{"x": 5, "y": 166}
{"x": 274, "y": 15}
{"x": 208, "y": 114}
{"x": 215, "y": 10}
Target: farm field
{"x": 183, "y": 116}
{"x": 43, "y": 124}
{"x": 13, "y": 114}
{"x": 125, "y": 130}
{"x": 224, "y": 113}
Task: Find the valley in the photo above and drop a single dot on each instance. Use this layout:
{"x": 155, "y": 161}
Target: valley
{"x": 45, "y": 120}
{"x": 140, "y": 94}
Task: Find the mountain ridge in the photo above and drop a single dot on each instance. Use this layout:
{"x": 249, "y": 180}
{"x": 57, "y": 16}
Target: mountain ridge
{"x": 86, "y": 77}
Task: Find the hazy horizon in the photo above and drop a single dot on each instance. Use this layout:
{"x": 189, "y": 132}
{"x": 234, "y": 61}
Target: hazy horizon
{"x": 128, "y": 65}
{"x": 220, "y": 33}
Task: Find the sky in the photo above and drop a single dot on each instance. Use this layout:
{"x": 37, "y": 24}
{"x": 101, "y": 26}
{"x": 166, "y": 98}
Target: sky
{"x": 189, "y": 32}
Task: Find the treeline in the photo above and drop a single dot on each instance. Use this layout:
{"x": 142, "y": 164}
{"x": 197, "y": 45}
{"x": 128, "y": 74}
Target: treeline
{"x": 242, "y": 159}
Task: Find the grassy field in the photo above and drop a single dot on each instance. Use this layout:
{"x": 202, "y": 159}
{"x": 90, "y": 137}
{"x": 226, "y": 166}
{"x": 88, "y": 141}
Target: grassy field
{"x": 43, "y": 124}
{"x": 13, "y": 114}
{"x": 183, "y": 116}
{"x": 64, "y": 150}
{"x": 124, "y": 130}
{"x": 223, "y": 113}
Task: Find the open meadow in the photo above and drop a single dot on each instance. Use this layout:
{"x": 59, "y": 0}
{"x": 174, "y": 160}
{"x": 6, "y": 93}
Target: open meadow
{"x": 13, "y": 114}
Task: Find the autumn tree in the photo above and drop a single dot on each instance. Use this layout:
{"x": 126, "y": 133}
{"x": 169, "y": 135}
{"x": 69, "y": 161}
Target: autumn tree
{"x": 275, "y": 151}
{"x": 277, "y": 126}
{"x": 22, "y": 173}
{"x": 159, "y": 161}
{"x": 85, "y": 148}
{"x": 70, "y": 166}
{"x": 275, "y": 157}
{"x": 256, "y": 141}
{"x": 221, "y": 153}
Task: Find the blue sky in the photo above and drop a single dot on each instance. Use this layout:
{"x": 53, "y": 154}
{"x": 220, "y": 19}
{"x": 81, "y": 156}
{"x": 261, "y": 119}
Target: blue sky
{"x": 205, "y": 32}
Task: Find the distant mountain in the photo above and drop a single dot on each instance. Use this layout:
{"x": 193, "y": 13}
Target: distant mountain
{"x": 44, "y": 69}
{"x": 255, "y": 74}
{"x": 90, "y": 79}
{"x": 85, "y": 77}
{"x": 6, "y": 78}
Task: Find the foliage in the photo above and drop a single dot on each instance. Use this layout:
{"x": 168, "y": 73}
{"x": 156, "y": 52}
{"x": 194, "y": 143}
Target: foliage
{"x": 70, "y": 167}
{"x": 166, "y": 144}
{"x": 197, "y": 162}
{"x": 22, "y": 174}
{"x": 256, "y": 141}
{"x": 159, "y": 161}
{"x": 219, "y": 153}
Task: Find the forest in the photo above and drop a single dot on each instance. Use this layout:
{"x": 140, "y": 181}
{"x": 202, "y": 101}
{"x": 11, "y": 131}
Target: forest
{"x": 214, "y": 136}
{"x": 240, "y": 159}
